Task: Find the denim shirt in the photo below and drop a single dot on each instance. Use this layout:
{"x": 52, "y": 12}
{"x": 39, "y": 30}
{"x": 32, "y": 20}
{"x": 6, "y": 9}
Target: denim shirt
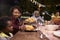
{"x": 38, "y": 19}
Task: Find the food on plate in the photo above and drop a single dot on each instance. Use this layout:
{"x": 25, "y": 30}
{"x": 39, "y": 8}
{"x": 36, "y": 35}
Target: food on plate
{"x": 29, "y": 27}
{"x": 30, "y": 20}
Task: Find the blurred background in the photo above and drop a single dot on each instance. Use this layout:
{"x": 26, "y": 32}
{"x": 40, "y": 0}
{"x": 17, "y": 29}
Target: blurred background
{"x": 28, "y": 6}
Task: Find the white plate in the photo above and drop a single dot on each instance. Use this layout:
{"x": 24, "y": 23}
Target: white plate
{"x": 57, "y": 33}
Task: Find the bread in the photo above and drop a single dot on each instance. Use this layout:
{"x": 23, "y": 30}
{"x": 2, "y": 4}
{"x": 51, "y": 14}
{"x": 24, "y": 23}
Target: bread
{"x": 29, "y": 27}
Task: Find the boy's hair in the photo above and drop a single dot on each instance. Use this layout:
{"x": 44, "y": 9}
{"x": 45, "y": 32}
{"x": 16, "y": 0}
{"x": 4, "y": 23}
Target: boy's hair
{"x": 3, "y": 22}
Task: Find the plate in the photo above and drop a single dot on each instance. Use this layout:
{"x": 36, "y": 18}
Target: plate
{"x": 57, "y": 33}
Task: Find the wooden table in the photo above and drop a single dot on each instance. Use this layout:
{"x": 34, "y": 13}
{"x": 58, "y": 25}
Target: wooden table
{"x": 28, "y": 36}
{"x": 57, "y": 21}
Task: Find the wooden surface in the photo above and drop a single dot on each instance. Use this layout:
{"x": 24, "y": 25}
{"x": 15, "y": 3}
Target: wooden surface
{"x": 57, "y": 21}
{"x": 28, "y": 36}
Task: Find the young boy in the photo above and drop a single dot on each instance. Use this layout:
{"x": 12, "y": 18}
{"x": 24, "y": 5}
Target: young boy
{"x": 5, "y": 28}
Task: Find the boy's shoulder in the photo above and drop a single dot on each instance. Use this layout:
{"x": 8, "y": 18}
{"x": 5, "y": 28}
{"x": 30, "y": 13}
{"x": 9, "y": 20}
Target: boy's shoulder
{"x": 3, "y": 35}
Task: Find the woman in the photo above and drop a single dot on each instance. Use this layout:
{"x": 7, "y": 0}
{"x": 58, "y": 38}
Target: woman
{"x": 16, "y": 18}
{"x": 56, "y": 18}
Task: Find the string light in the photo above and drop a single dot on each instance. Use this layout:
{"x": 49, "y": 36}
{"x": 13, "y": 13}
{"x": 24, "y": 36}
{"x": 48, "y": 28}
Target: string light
{"x": 39, "y": 4}
{"x": 31, "y": 0}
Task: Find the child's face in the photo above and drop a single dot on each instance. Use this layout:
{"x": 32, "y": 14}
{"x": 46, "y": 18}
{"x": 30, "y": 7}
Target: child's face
{"x": 57, "y": 13}
{"x": 16, "y": 13}
{"x": 9, "y": 26}
{"x": 37, "y": 14}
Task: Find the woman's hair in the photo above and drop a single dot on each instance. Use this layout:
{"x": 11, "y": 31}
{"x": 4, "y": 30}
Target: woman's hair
{"x": 3, "y": 22}
{"x": 14, "y": 7}
{"x": 56, "y": 11}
